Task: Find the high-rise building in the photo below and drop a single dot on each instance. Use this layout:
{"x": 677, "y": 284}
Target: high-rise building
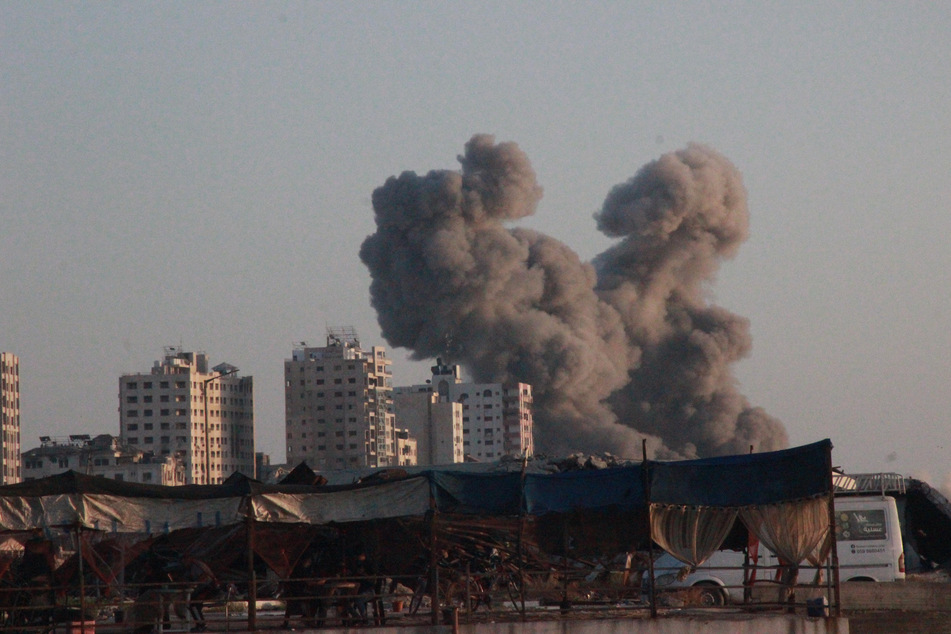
{"x": 496, "y": 417}
{"x": 9, "y": 418}
{"x": 338, "y": 405}
{"x": 433, "y": 420}
{"x": 204, "y": 416}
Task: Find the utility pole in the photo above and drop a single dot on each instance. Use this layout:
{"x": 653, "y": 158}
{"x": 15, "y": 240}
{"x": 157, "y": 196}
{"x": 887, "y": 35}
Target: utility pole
{"x": 204, "y": 397}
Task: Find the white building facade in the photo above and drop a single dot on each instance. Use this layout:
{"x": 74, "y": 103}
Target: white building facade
{"x": 406, "y": 450}
{"x": 496, "y": 418}
{"x": 105, "y": 456}
{"x": 204, "y": 416}
{"x": 434, "y": 421}
{"x": 338, "y": 405}
{"x": 10, "y": 466}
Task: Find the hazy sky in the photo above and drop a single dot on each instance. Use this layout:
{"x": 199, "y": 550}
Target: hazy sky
{"x": 200, "y": 174}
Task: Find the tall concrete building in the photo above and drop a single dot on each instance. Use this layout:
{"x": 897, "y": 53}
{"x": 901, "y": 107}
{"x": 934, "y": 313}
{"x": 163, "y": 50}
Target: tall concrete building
{"x": 338, "y": 405}
{"x": 183, "y": 408}
{"x": 434, "y": 421}
{"x": 496, "y": 418}
{"x": 9, "y": 418}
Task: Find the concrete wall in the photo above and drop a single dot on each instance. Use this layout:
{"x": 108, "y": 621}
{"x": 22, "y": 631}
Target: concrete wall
{"x": 911, "y": 596}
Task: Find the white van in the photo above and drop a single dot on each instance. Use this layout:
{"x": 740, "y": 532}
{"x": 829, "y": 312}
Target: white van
{"x": 868, "y": 539}
{"x": 868, "y": 543}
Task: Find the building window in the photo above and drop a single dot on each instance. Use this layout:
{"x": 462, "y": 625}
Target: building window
{"x": 132, "y": 399}
{"x": 163, "y": 385}
{"x": 132, "y": 413}
{"x": 132, "y": 385}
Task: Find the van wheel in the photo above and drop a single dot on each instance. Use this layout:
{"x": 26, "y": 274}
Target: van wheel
{"x": 710, "y": 594}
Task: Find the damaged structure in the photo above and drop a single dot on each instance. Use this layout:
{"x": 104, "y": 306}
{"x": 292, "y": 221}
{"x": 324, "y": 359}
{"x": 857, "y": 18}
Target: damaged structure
{"x": 432, "y": 538}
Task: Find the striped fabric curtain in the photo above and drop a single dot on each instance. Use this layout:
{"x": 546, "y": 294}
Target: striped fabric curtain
{"x": 690, "y": 533}
{"x": 792, "y": 530}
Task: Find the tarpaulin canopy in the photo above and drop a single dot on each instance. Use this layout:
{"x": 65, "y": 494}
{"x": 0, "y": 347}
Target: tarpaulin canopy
{"x": 402, "y": 498}
{"x": 620, "y": 488}
{"x": 476, "y": 493}
{"x": 96, "y": 503}
{"x": 745, "y": 480}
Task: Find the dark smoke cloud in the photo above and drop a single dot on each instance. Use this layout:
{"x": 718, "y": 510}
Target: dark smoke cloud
{"x": 618, "y": 350}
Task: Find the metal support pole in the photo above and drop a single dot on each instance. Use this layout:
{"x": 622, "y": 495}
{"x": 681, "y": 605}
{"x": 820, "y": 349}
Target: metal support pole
{"x": 252, "y": 580}
{"x": 834, "y": 551}
{"x": 433, "y": 563}
{"x": 652, "y": 597}
{"x": 82, "y": 581}
{"x": 468, "y": 591}
{"x": 521, "y": 530}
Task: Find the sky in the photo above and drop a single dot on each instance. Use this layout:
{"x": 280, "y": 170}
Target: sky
{"x": 200, "y": 174}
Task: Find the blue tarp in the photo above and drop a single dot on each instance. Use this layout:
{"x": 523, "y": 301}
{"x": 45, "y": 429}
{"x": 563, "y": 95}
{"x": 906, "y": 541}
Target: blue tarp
{"x": 731, "y": 481}
{"x": 477, "y": 493}
{"x": 620, "y": 488}
{"x": 745, "y": 480}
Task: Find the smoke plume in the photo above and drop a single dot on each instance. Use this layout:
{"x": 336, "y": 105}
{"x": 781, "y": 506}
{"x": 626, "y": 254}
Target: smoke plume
{"x": 621, "y": 349}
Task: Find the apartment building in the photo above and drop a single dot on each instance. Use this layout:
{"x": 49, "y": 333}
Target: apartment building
{"x": 406, "y": 449}
{"x": 9, "y": 418}
{"x": 434, "y": 421}
{"x": 204, "y": 416}
{"x": 338, "y": 405}
{"x": 103, "y": 455}
{"x": 496, "y": 417}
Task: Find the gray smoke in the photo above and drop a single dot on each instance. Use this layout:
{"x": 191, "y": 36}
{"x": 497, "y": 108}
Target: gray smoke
{"x": 618, "y": 350}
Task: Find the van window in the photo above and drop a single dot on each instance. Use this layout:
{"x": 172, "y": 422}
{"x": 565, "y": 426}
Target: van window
{"x": 860, "y": 525}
